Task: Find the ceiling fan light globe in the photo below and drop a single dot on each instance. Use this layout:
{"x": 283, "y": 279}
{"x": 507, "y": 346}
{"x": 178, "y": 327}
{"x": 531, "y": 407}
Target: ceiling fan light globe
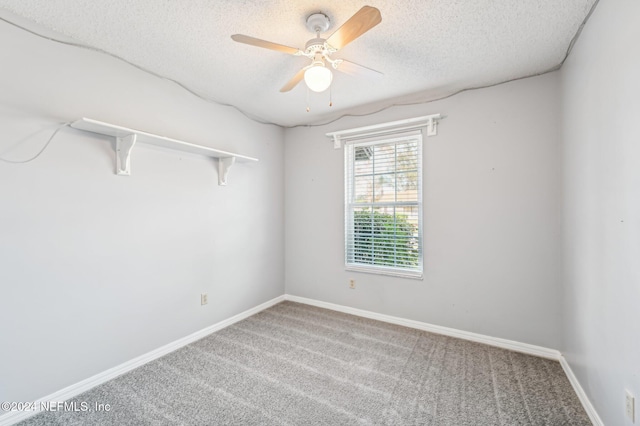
{"x": 318, "y": 78}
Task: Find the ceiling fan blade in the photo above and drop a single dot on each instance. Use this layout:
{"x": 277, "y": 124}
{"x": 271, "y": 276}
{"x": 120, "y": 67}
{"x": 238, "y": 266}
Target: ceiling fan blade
{"x": 351, "y": 68}
{"x": 240, "y": 38}
{"x": 364, "y": 19}
{"x": 294, "y": 81}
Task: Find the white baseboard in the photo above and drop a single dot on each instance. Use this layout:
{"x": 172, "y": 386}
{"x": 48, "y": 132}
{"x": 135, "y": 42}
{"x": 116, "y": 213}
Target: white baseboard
{"x": 466, "y": 335}
{"x": 588, "y": 407}
{"x": 13, "y": 417}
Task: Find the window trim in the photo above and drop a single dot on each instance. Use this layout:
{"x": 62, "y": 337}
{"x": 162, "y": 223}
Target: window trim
{"x": 428, "y": 126}
{"x": 427, "y": 123}
{"x": 386, "y": 270}
{"x": 372, "y": 140}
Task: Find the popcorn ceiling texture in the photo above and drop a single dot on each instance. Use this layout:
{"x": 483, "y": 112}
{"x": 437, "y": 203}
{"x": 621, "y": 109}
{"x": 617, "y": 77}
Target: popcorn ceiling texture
{"x": 295, "y": 364}
{"x": 426, "y": 49}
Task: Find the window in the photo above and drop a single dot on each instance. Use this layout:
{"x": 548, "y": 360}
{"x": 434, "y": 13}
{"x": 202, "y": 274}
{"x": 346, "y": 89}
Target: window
{"x": 383, "y": 205}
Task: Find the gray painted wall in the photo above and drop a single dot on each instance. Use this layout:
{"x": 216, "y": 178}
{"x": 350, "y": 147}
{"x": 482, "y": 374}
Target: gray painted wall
{"x": 601, "y": 171}
{"x": 96, "y": 269}
{"x": 491, "y": 215}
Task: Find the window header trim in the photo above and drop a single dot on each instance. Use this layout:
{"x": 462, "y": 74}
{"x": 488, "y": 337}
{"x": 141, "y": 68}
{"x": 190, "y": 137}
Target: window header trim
{"x": 430, "y": 122}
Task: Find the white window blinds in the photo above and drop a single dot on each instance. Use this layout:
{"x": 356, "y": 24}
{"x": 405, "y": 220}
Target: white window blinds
{"x": 383, "y": 204}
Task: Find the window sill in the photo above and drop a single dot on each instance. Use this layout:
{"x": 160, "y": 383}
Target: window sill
{"x": 385, "y": 271}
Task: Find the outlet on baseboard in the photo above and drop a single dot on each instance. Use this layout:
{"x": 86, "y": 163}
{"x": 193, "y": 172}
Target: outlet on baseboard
{"x": 204, "y": 299}
{"x": 630, "y": 408}
{"x": 352, "y": 284}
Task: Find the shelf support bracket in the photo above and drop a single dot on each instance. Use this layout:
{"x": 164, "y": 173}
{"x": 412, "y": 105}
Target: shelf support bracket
{"x": 432, "y": 127}
{"x": 124, "y": 145}
{"x": 224, "y": 164}
{"x": 337, "y": 142}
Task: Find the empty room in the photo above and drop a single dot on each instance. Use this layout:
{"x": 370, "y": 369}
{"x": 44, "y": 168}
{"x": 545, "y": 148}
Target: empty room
{"x": 223, "y": 212}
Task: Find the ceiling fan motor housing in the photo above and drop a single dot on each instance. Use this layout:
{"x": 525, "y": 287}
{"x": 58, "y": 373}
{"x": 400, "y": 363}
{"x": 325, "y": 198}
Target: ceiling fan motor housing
{"x": 315, "y": 45}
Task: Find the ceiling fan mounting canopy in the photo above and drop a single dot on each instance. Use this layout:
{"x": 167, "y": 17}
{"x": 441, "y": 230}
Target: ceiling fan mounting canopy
{"x": 318, "y": 23}
{"x": 319, "y": 50}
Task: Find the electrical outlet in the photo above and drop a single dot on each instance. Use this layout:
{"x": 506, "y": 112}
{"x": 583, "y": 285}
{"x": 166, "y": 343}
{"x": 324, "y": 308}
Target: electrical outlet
{"x": 630, "y": 408}
{"x": 204, "y": 299}
{"x": 352, "y": 284}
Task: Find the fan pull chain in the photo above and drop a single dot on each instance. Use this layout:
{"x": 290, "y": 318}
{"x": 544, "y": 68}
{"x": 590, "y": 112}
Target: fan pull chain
{"x": 308, "y": 109}
{"x": 330, "y": 97}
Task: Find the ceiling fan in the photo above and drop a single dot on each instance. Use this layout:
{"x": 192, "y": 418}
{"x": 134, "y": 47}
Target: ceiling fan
{"x": 317, "y": 75}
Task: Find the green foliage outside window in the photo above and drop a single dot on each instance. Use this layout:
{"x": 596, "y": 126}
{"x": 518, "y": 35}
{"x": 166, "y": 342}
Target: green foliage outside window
{"x": 384, "y": 239}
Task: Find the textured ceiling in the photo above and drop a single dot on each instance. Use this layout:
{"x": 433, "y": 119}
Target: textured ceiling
{"x": 425, "y": 48}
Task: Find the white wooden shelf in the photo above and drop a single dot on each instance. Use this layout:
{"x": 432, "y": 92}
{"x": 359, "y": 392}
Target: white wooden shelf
{"x": 127, "y": 138}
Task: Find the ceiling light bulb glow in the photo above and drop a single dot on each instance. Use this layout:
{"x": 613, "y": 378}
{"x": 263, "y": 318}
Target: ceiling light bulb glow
{"x": 318, "y": 78}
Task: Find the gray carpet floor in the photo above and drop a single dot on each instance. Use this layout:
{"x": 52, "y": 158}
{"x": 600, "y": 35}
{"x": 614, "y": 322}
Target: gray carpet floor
{"x": 294, "y": 364}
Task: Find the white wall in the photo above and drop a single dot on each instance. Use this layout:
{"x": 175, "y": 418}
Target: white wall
{"x": 96, "y": 269}
{"x": 491, "y": 215}
{"x": 601, "y": 171}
